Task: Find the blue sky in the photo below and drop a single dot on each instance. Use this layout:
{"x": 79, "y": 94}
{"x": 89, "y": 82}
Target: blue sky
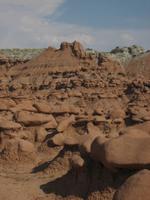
{"x": 99, "y": 24}
{"x": 107, "y": 13}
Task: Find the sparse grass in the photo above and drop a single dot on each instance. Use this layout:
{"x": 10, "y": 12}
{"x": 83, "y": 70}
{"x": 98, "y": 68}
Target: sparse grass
{"x": 22, "y": 54}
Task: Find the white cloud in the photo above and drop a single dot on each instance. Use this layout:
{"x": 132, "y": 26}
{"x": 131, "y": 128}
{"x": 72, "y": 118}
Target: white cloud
{"x": 23, "y": 24}
{"x": 32, "y": 7}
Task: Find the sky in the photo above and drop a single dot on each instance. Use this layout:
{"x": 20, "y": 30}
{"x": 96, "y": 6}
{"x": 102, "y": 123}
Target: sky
{"x": 98, "y": 24}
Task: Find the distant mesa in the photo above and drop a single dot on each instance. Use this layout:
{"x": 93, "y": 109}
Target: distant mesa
{"x": 72, "y": 57}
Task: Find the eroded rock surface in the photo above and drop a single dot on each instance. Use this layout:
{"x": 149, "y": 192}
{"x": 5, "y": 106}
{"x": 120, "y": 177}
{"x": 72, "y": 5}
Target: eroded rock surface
{"x": 71, "y": 123}
{"x": 136, "y": 187}
{"x": 123, "y": 151}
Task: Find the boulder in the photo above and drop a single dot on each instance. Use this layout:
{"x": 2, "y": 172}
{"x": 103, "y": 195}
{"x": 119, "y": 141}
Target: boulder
{"x": 139, "y": 129}
{"x": 25, "y": 106}
{"x": 87, "y": 140}
{"x": 135, "y": 187}
{"x": 43, "y": 107}
{"x": 65, "y": 123}
{"x": 32, "y": 119}
{"x": 66, "y": 108}
{"x": 9, "y": 125}
{"x": 58, "y": 139}
{"x": 68, "y": 137}
{"x": 26, "y": 146}
{"x": 139, "y": 114}
{"x": 6, "y": 104}
{"x": 126, "y": 151}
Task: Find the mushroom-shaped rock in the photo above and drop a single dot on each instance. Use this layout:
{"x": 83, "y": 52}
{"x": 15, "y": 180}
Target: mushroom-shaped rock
{"x": 9, "y": 125}
{"x": 68, "y": 137}
{"x": 6, "y": 104}
{"x": 31, "y": 119}
{"x": 25, "y": 105}
{"x": 123, "y": 152}
{"x": 139, "y": 129}
{"x": 26, "y": 146}
{"x": 65, "y": 123}
{"x": 43, "y": 107}
{"x": 88, "y": 139}
{"x": 58, "y": 139}
{"x": 66, "y": 108}
{"x": 136, "y": 187}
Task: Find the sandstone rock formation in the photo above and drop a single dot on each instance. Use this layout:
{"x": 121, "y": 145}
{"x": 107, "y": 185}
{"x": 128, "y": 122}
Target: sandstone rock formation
{"x": 73, "y": 119}
{"x": 136, "y": 187}
{"x": 31, "y": 119}
{"x": 122, "y": 151}
{"x": 139, "y": 66}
